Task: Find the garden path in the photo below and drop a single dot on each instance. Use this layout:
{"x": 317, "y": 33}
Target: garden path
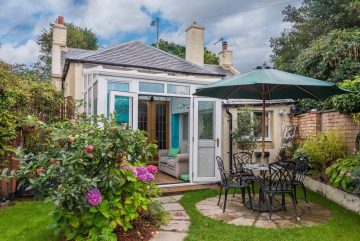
{"x": 176, "y": 229}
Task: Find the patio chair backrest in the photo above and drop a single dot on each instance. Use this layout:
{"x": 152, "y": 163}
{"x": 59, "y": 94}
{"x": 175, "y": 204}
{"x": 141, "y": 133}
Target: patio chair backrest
{"x": 301, "y": 168}
{"x": 281, "y": 176}
{"x": 240, "y": 159}
{"x": 223, "y": 174}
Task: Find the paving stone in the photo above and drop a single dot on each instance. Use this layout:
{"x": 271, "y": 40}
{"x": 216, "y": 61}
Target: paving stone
{"x": 179, "y": 215}
{"x": 173, "y": 207}
{"x": 176, "y": 226}
{"x": 177, "y": 197}
{"x": 238, "y": 214}
{"x": 165, "y": 200}
{"x": 169, "y": 236}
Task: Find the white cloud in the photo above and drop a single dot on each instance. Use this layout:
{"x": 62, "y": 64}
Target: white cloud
{"x": 22, "y": 54}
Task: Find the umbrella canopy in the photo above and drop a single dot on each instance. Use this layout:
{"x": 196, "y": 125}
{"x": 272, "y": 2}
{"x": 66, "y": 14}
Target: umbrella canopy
{"x": 268, "y": 84}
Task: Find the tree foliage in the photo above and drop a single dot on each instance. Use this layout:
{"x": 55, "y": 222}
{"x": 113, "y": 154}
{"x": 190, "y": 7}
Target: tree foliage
{"x": 311, "y": 20}
{"x": 77, "y": 37}
{"x": 179, "y": 50}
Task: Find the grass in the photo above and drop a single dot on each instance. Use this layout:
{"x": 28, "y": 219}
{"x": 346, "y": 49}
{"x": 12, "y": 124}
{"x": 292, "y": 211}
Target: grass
{"x": 28, "y": 220}
{"x": 25, "y": 221}
{"x": 344, "y": 225}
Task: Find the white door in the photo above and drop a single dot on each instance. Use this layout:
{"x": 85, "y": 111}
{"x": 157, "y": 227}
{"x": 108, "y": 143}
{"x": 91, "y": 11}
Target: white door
{"x": 206, "y": 139}
{"x": 124, "y": 106}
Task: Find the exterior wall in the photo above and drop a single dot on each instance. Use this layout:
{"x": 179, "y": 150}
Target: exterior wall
{"x": 73, "y": 84}
{"x": 278, "y": 124}
{"x": 313, "y": 123}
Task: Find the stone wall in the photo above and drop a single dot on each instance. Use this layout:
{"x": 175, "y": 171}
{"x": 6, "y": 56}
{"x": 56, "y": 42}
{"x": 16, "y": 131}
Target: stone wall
{"x": 312, "y": 123}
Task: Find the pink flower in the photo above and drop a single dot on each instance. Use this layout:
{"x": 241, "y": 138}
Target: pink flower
{"x": 143, "y": 174}
{"x": 89, "y": 148}
{"x": 349, "y": 174}
{"x": 72, "y": 121}
{"x": 40, "y": 170}
{"x": 93, "y": 197}
{"x": 151, "y": 168}
{"x": 342, "y": 173}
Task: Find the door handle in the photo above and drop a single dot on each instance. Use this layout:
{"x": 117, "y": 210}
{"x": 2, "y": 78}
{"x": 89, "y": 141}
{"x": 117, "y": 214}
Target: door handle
{"x": 217, "y": 142}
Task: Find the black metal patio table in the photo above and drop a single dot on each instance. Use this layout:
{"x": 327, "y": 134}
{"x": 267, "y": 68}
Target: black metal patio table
{"x": 260, "y": 205}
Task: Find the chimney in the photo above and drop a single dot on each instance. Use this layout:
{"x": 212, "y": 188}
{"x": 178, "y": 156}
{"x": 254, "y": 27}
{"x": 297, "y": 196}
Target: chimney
{"x": 195, "y": 44}
{"x": 58, "y": 46}
{"x": 226, "y": 60}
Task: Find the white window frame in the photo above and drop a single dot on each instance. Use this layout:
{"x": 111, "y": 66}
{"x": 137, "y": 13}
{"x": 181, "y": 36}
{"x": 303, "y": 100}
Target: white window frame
{"x": 268, "y": 115}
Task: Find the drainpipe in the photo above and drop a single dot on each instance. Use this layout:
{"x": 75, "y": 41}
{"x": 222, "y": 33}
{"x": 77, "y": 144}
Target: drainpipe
{"x": 230, "y": 135}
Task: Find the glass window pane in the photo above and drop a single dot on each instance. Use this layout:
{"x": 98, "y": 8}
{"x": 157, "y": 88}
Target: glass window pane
{"x": 90, "y": 79}
{"x": 258, "y": 115}
{"x": 118, "y": 86}
{"x": 123, "y": 109}
{"x": 178, "y": 89}
{"x": 151, "y": 87}
{"x": 85, "y": 102}
{"x": 89, "y": 101}
{"x": 95, "y": 95}
{"x": 206, "y": 120}
{"x": 85, "y": 81}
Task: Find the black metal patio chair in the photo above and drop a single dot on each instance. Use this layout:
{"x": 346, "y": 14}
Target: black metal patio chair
{"x": 239, "y": 160}
{"x": 279, "y": 182}
{"x": 231, "y": 181}
{"x": 301, "y": 168}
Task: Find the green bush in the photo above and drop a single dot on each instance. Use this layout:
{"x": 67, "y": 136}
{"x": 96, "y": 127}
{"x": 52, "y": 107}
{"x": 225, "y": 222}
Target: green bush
{"x": 93, "y": 171}
{"x": 340, "y": 173}
{"x": 324, "y": 148}
{"x": 348, "y": 103}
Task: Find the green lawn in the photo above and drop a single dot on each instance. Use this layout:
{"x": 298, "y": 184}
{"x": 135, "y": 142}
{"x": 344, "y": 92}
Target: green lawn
{"x": 25, "y": 221}
{"x": 28, "y": 220}
{"x": 343, "y": 226}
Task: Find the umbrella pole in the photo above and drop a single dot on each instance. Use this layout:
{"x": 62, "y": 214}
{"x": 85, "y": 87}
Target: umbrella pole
{"x": 263, "y": 130}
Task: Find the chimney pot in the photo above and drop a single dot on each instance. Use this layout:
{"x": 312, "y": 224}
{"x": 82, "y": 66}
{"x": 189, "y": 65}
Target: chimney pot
{"x": 224, "y": 45}
{"x": 60, "y": 20}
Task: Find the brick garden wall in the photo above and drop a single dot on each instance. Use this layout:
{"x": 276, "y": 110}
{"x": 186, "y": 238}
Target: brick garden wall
{"x": 312, "y": 123}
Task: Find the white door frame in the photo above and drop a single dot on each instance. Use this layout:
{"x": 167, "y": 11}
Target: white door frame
{"x": 133, "y": 110}
{"x": 217, "y": 134}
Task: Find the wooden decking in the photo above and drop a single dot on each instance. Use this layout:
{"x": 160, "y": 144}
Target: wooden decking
{"x": 163, "y": 178}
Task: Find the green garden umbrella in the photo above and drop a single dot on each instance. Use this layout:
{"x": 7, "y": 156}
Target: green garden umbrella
{"x": 269, "y": 84}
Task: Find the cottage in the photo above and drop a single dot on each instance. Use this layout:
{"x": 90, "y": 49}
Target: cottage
{"x": 151, "y": 90}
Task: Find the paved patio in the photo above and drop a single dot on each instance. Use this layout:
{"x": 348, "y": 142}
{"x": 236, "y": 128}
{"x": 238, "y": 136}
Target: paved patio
{"x": 237, "y": 214}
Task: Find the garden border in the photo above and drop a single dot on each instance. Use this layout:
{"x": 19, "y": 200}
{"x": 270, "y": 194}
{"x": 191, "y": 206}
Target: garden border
{"x": 344, "y": 199}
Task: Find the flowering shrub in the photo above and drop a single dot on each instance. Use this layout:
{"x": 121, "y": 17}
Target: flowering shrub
{"x": 341, "y": 172}
{"x": 93, "y": 171}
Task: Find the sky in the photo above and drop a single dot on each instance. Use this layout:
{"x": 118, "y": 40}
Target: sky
{"x": 247, "y": 25}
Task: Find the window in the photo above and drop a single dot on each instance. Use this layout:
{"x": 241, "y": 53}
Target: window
{"x": 85, "y": 81}
{"x": 85, "y": 102}
{"x": 178, "y": 89}
{"x": 151, "y": 87}
{"x": 258, "y": 114}
{"x": 118, "y": 86}
{"x": 95, "y": 95}
{"x": 90, "y": 79}
{"x": 89, "y": 101}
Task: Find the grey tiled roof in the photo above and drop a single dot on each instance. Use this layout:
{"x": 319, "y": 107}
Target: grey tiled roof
{"x": 72, "y": 53}
{"x": 217, "y": 69}
{"x": 138, "y": 54}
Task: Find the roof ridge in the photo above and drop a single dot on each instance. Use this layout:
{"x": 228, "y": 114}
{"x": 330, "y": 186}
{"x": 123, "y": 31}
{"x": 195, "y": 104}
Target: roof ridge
{"x": 174, "y": 56}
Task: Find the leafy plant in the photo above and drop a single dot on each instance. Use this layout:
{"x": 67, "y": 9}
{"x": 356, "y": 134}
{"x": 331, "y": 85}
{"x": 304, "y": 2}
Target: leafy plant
{"x": 340, "y": 173}
{"x": 348, "y": 103}
{"x": 92, "y": 170}
{"x": 324, "y": 148}
{"x": 248, "y": 125}
{"x": 157, "y": 214}
{"x": 105, "y": 235}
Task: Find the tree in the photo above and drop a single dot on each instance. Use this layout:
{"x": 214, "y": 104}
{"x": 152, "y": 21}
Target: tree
{"x": 311, "y": 20}
{"x": 179, "y": 50}
{"x": 77, "y": 37}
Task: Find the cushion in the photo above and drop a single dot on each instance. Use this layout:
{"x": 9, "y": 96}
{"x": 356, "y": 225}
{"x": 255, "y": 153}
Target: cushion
{"x": 171, "y": 162}
{"x": 184, "y": 177}
{"x": 173, "y": 152}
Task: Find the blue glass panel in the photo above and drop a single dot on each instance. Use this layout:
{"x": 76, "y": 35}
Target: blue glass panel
{"x": 151, "y": 87}
{"x": 175, "y": 130}
{"x": 118, "y": 86}
{"x": 122, "y": 109}
{"x": 178, "y": 89}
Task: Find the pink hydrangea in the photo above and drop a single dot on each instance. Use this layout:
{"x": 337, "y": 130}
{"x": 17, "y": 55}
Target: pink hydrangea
{"x": 127, "y": 167}
{"x": 349, "y": 174}
{"x": 93, "y": 197}
{"x": 72, "y": 121}
{"x": 151, "y": 168}
{"x": 143, "y": 174}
